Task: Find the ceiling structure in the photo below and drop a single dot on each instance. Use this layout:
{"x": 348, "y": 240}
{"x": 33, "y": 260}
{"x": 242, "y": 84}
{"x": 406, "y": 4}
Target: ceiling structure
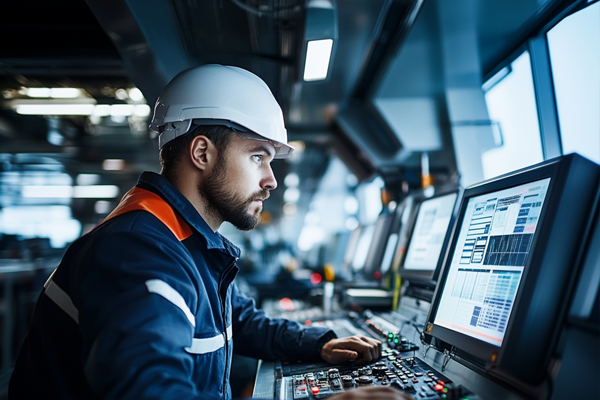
{"x": 104, "y": 46}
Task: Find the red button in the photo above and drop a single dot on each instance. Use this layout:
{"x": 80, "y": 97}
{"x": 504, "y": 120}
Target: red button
{"x": 439, "y": 387}
{"x": 315, "y": 390}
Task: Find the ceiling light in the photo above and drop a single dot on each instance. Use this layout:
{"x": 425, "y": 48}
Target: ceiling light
{"x": 352, "y": 223}
{"x": 121, "y": 94}
{"x": 102, "y": 207}
{"x": 64, "y": 191}
{"x": 113, "y": 164}
{"x": 291, "y": 195}
{"x": 351, "y": 205}
{"x": 318, "y": 53}
{"x": 95, "y": 191}
{"x": 55, "y": 93}
{"x": 47, "y": 191}
{"x": 64, "y": 93}
{"x": 142, "y": 110}
{"x": 290, "y": 209}
{"x": 51, "y": 107}
{"x": 123, "y": 110}
{"x": 55, "y": 109}
{"x": 101, "y": 110}
{"x": 291, "y": 180}
{"x": 320, "y": 34}
{"x": 135, "y": 94}
{"x": 87, "y": 179}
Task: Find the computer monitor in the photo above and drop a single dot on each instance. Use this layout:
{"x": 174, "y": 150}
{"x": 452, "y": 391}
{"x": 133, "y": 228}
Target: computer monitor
{"x": 399, "y": 233}
{"x": 381, "y": 232}
{"x": 511, "y": 266}
{"x": 346, "y": 269}
{"x": 334, "y": 251}
{"x": 362, "y": 247}
{"x": 430, "y": 235}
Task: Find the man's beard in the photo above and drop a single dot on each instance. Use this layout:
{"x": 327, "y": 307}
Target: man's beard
{"x": 230, "y": 206}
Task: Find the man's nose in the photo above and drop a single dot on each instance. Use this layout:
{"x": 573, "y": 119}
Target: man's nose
{"x": 269, "y": 182}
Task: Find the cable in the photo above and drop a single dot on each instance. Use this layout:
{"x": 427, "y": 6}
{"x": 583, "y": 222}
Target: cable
{"x": 258, "y": 12}
{"x": 251, "y": 10}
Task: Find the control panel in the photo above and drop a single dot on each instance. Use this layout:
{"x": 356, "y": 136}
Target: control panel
{"x": 398, "y": 367}
{"x": 409, "y": 375}
{"x": 382, "y": 330}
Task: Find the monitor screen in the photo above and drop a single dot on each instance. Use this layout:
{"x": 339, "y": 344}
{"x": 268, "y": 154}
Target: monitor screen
{"x": 375, "y": 255}
{"x": 351, "y": 249}
{"x": 429, "y": 232}
{"x": 512, "y": 263}
{"x": 394, "y": 253}
{"x": 362, "y": 247}
{"x": 494, "y": 241}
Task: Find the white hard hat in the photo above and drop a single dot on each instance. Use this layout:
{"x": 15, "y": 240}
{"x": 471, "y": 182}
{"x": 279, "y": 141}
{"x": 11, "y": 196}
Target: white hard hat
{"x": 219, "y": 95}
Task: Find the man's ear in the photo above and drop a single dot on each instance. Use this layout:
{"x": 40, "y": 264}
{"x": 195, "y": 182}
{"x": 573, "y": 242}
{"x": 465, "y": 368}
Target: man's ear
{"x": 202, "y": 152}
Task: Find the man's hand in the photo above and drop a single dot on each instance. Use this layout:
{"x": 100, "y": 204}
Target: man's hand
{"x": 372, "y": 392}
{"x": 354, "y": 348}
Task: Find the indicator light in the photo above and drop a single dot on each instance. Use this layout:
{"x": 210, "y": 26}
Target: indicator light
{"x": 316, "y": 278}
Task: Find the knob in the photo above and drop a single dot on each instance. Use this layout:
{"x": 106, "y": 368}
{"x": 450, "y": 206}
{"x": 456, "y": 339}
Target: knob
{"x": 365, "y": 380}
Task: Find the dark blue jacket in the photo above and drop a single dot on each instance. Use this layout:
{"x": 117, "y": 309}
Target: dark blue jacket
{"x": 144, "y": 307}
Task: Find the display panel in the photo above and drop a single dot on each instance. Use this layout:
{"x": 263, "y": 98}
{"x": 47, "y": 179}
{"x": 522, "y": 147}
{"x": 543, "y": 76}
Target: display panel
{"x": 494, "y": 241}
{"x": 351, "y": 247}
{"x": 428, "y": 235}
{"x": 511, "y": 267}
{"x": 362, "y": 247}
{"x": 375, "y": 255}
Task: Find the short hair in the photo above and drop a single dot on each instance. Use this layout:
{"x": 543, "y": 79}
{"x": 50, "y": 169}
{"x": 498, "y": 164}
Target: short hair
{"x": 172, "y": 152}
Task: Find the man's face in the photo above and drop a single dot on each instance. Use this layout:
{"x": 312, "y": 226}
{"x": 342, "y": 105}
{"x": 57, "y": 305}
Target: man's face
{"x": 239, "y": 182}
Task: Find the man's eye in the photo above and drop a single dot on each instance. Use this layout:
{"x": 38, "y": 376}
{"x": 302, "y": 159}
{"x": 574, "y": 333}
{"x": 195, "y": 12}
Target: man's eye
{"x": 257, "y": 157}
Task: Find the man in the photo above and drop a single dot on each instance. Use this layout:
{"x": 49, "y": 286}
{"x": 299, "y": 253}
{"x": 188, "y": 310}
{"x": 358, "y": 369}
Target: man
{"x": 144, "y": 306}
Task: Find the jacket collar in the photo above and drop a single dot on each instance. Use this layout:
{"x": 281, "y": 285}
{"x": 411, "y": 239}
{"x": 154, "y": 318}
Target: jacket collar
{"x": 161, "y": 186}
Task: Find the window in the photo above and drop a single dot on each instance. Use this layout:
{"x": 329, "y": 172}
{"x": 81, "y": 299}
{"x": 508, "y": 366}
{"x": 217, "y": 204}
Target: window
{"x": 575, "y": 59}
{"x": 30, "y": 204}
{"x": 510, "y": 99}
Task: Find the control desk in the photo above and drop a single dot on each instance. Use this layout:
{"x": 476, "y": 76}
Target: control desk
{"x": 405, "y": 364}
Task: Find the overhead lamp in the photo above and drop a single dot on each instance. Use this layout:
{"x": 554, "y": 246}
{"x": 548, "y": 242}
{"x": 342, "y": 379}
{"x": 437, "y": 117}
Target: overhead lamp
{"x": 53, "y": 93}
{"x": 135, "y": 94}
{"x": 81, "y": 107}
{"x": 113, "y": 164}
{"x": 320, "y": 35}
{"x": 65, "y": 191}
{"x": 55, "y": 109}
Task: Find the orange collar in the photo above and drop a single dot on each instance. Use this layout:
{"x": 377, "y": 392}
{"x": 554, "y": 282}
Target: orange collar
{"x": 142, "y": 199}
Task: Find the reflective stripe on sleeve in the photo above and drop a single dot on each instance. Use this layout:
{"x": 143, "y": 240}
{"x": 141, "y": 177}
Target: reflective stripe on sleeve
{"x": 64, "y": 302}
{"x": 208, "y": 345}
{"x": 165, "y": 290}
{"x": 62, "y": 299}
